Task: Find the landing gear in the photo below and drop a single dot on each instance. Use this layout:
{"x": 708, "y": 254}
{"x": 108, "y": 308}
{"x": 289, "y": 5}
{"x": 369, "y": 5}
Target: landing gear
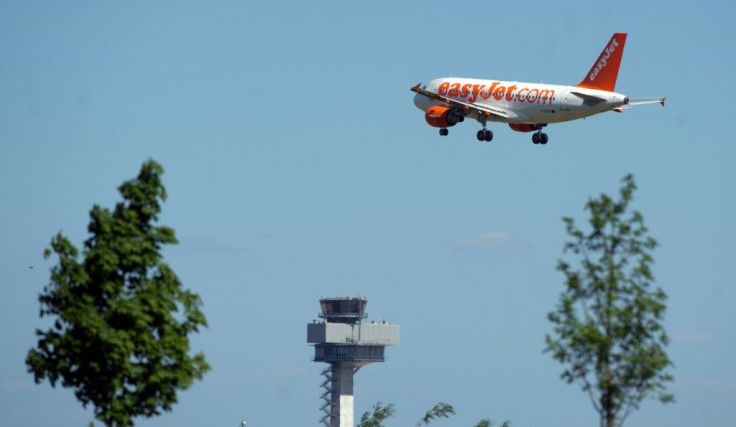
{"x": 444, "y": 132}
{"x": 485, "y": 135}
{"x": 540, "y": 138}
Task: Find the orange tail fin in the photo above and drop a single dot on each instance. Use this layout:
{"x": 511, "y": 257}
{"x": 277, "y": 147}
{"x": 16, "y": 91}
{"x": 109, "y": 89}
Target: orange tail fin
{"x": 603, "y": 73}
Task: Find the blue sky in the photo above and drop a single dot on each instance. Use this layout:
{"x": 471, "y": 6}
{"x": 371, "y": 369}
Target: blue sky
{"x": 297, "y": 166}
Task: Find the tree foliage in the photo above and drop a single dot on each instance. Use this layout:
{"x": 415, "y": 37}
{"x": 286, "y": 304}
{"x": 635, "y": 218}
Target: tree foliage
{"x": 121, "y": 316}
{"x": 382, "y": 412}
{"x": 379, "y": 414}
{"x": 486, "y": 422}
{"x": 440, "y": 410}
{"x": 608, "y": 323}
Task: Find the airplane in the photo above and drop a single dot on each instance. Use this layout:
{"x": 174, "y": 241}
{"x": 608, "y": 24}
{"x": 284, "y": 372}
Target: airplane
{"x": 526, "y": 107}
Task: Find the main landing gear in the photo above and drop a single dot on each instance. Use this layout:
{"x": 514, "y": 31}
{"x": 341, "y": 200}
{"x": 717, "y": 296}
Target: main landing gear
{"x": 540, "y": 137}
{"x": 485, "y": 135}
{"x": 444, "y": 132}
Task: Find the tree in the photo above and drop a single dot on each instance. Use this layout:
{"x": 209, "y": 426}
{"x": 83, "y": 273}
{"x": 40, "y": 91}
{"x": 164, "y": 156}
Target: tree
{"x": 440, "y": 410}
{"x": 121, "y": 316}
{"x": 380, "y": 414}
{"x": 486, "y": 422}
{"x": 608, "y": 323}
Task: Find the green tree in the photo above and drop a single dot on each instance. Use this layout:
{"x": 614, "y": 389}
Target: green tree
{"x": 608, "y": 323}
{"x": 379, "y": 414}
{"x": 440, "y": 410}
{"x": 382, "y": 412}
{"x": 486, "y": 422}
{"x": 121, "y": 316}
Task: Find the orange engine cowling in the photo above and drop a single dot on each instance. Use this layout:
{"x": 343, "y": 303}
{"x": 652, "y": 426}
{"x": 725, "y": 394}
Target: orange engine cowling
{"x": 523, "y": 127}
{"x": 442, "y": 117}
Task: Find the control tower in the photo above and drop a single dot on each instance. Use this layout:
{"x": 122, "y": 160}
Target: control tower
{"x": 347, "y": 343}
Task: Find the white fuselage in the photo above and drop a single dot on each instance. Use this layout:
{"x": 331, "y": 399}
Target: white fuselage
{"x": 522, "y": 102}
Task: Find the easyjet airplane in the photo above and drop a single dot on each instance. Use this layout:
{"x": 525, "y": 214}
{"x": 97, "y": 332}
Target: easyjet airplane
{"x": 526, "y": 107}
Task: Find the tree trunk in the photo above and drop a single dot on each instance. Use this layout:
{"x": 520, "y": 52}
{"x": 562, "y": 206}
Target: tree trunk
{"x": 607, "y": 399}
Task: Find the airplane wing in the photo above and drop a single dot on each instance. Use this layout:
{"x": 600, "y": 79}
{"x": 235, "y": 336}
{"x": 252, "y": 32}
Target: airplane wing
{"x": 480, "y": 109}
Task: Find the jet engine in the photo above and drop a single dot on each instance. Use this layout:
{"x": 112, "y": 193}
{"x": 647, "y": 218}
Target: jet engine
{"x": 442, "y": 117}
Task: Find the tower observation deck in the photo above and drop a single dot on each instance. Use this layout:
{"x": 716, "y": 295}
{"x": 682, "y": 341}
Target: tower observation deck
{"x": 347, "y": 343}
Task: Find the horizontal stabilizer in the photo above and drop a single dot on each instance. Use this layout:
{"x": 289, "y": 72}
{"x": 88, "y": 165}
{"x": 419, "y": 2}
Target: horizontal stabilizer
{"x": 589, "y": 99}
{"x": 642, "y": 101}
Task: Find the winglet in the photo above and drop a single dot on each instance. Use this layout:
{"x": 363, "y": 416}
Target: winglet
{"x": 604, "y": 72}
{"x": 416, "y": 88}
{"x": 661, "y": 101}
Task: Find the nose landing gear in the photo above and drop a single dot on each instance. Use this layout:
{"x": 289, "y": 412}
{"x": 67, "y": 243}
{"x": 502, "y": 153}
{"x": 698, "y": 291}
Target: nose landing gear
{"x": 444, "y": 132}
